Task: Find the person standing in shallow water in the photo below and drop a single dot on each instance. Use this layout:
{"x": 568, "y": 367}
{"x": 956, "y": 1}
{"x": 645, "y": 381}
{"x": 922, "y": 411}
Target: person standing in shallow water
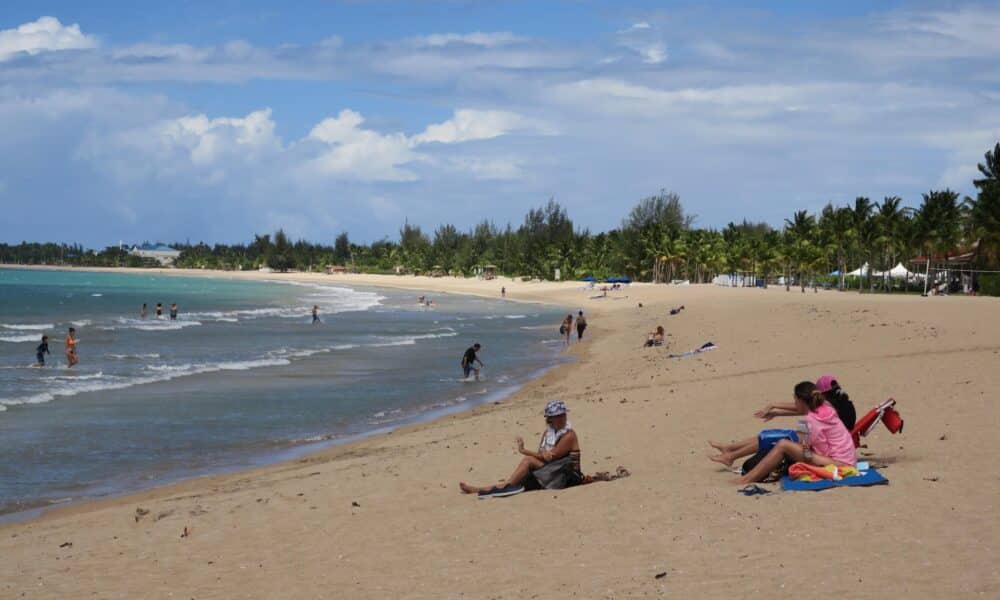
{"x": 144, "y": 312}
{"x": 469, "y": 359}
{"x": 581, "y": 324}
{"x": 159, "y": 310}
{"x": 173, "y": 311}
{"x": 315, "y": 314}
{"x": 71, "y": 342}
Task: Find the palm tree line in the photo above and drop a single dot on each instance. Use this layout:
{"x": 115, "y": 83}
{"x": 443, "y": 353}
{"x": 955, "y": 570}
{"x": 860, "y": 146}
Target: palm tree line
{"x": 656, "y": 241}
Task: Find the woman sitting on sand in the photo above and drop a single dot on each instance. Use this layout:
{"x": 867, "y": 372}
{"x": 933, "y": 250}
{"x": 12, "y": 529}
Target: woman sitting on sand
{"x": 829, "y": 442}
{"x": 655, "y": 338}
{"x": 556, "y": 465}
{"x": 834, "y": 395}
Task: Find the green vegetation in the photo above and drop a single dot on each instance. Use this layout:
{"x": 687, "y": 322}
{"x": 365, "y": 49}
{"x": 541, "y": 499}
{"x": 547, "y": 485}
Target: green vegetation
{"x": 656, "y": 241}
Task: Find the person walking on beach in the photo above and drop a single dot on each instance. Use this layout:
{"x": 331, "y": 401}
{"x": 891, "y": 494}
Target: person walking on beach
{"x": 565, "y": 329}
{"x": 71, "y": 342}
{"x": 144, "y": 312}
{"x": 503, "y": 292}
{"x": 173, "y": 311}
{"x": 469, "y": 359}
{"x": 315, "y": 314}
{"x": 159, "y": 310}
{"x": 581, "y": 324}
{"x": 41, "y": 351}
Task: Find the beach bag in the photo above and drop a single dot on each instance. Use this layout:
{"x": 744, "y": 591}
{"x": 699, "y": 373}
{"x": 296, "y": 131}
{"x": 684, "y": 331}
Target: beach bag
{"x": 562, "y": 330}
{"x": 769, "y": 437}
{"x": 558, "y": 474}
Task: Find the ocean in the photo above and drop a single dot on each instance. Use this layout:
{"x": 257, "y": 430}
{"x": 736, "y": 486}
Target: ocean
{"x": 242, "y": 377}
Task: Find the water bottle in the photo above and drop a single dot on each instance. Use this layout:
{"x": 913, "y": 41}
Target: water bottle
{"x": 802, "y": 429}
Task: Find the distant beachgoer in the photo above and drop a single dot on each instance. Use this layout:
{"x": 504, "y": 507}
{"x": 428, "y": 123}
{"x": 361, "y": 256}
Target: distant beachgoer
{"x": 676, "y": 311}
{"x": 469, "y": 359}
{"x": 159, "y": 310}
{"x": 41, "y": 351}
{"x": 565, "y": 328}
{"x": 581, "y": 324}
{"x": 503, "y": 292}
{"x": 655, "y": 338}
{"x": 315, "y": 314}
{"x": 144, "y": 312}
{"x": 420, "y": 299}
{"x": 556, "y": 464}
{"x": 173, "y": 312}
{"x": 71, "y": 342}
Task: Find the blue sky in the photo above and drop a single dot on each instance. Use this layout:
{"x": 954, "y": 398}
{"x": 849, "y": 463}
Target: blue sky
{"x": 214, "y": 120}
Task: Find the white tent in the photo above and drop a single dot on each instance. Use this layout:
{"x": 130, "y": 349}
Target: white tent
{"x": 898, "y": 272}
{"x": 860, "y": 271}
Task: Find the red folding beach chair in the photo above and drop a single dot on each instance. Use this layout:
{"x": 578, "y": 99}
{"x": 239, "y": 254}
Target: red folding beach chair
{"x": 884, "y": 413}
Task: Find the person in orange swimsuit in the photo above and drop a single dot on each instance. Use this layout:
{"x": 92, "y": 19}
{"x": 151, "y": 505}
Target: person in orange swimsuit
{"x": 71, "y": 342}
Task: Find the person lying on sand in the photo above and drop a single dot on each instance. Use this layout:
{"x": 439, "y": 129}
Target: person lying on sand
{"x": 676, "y": 311}
{"x": 834, "y": 395}
{"x": 655, "y": 338}
{"x": 556, "y": 464}
{"x": 827, "y": 441}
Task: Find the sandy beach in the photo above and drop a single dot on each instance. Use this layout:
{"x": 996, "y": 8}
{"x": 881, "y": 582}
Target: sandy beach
{"x": 383, "y": 517}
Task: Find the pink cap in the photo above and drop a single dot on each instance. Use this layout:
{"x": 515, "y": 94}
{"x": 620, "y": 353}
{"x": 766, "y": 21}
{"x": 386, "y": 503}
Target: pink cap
{"x": 825, "y": 383}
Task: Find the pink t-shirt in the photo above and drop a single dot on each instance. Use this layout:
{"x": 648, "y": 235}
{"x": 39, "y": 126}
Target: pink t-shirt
{"x": 829, "y": 437}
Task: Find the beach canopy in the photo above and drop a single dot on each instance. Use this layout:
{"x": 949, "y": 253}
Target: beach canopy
{"x": 619, "y": 280}
{"x": 589, "y": 278}
{"x": 860, "y": 271}
{"x": 898, "y": 272}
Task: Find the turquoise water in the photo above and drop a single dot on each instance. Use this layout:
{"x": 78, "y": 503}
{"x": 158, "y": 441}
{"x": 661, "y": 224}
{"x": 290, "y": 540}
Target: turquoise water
{"x": 240, "y": 378}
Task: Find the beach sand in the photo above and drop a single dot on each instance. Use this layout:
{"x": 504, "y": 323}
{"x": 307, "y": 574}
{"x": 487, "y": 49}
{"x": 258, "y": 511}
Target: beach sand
{"x": 383, "y": 517}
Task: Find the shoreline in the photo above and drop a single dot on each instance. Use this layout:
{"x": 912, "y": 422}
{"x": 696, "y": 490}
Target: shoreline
{"x": 292, "y": 451}
{"x": 382, "y": 517}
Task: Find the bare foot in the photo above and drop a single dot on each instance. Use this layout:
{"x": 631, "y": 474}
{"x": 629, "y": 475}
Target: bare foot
{"x": 722, "y": 459}
{"x": 717, "y": 445}
{"x": 740, "y": 481}
{"x": 466, "y": 488}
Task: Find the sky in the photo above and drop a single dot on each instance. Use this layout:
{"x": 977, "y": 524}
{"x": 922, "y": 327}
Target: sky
{"x": 212, "y": 121}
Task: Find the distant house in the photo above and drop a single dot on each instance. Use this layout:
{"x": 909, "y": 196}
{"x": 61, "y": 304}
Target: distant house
{"x": 336, "y": 270}
{"x": 163, "y": 254}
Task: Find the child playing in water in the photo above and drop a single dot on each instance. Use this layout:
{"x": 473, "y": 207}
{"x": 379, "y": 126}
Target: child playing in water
{"x": 41, "y": 351}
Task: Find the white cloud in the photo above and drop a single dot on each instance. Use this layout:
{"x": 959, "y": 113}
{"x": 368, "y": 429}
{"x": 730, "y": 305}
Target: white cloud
{"x": 653, "y": 54}
{"x": 476, "y": 38}
{"x": 352, "y": 152}
{"x": 467, "y": 125}
{"x": 45, "y": 34}
{"x": 488, "y": 169}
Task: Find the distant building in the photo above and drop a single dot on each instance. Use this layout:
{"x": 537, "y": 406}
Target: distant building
{"x": 165, "y": 255}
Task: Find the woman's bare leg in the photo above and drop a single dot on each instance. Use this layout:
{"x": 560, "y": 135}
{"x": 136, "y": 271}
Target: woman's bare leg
{"x": 732, "y": 445}
{"x": 729, "y": 457}
{"x": 521, "y": 471}
{"x": 770, "y": 462}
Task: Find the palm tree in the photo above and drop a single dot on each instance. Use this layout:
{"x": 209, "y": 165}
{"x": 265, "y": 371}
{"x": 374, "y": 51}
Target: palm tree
{"x": 861, "y": 222}
{"x": 888, "y": 222}
{"x": 938, "y": 225}
{"x": 984, "y": 211}
{"x": 800, "y": 230}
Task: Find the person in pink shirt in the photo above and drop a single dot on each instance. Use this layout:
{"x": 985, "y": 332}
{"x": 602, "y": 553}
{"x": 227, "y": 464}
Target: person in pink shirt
{"x": 829, "y": 441}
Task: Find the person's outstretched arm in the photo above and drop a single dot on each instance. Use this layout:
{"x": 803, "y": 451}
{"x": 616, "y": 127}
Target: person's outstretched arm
{"x": 777, "y": 410}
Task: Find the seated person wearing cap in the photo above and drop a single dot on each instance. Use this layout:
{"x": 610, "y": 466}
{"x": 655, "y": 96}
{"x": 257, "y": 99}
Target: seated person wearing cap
{"x": 556, "y": 465}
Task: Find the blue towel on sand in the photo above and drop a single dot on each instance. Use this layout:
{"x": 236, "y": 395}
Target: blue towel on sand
{"x": 869, "y": 477}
